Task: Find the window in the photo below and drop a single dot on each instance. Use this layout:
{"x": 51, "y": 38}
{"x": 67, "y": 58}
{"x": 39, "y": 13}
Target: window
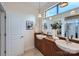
{"x": 51, "y": 12}
{"x": 70, "y": 6}
{"x": 55, "y": 10}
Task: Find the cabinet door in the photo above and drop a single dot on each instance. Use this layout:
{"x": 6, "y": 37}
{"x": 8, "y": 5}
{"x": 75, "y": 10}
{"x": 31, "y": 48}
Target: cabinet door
{"x": 43, "y": 47}
{"x": 38, "y": 44}
{"x": 47, "y": 48}
{"x": 55, "y": 50}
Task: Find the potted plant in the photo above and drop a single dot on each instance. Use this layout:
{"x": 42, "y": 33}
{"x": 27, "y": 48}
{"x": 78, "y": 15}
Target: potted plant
{"x": 55, "y": 28}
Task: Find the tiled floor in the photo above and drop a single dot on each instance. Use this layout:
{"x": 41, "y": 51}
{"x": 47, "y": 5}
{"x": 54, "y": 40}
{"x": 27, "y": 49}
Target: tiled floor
{"x": 32, "y": 52}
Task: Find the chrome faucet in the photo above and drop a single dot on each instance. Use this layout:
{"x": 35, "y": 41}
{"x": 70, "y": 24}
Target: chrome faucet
{"x": 71, "y": 37}
{"x": 67, "y": 40}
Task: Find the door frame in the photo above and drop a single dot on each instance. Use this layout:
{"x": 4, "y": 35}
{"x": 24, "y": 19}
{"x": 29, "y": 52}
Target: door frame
{"x": 5, "y": 34}
{"x": 3, "y": 15}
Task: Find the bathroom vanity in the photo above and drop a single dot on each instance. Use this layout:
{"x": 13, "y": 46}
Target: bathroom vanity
{"x": 48, "y": 46}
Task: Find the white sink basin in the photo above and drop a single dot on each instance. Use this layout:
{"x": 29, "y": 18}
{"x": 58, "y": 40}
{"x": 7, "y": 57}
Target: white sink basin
{"x": 68, "y": 47}
{"x": 55, "y": 38}
{"x": 40, "y": 36}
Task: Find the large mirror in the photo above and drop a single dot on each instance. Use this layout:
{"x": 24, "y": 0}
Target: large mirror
{"x": 72, "y": 26}
{"x": 64, "y": 24}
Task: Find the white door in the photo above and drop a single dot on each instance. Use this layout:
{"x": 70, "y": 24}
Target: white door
{"x": 15, "y": 42}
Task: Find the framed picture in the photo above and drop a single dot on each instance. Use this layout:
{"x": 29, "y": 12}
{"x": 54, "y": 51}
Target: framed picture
{"x": 29, "y": 25}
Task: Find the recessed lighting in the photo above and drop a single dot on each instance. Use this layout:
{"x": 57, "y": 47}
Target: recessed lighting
{"x": 63, "y": 4}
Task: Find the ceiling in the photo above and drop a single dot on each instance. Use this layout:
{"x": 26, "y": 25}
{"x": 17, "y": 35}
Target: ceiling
{"x": 25, "y": 6}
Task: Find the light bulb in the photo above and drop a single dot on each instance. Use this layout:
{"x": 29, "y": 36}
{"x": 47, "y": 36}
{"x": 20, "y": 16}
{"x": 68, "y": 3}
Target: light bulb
{"x": 73, "y": 12}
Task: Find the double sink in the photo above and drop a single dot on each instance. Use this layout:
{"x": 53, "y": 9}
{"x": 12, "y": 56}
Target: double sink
{"x": 70, "y": 47}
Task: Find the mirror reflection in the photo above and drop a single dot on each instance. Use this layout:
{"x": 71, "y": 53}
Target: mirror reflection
{"x": 64, "y": 22}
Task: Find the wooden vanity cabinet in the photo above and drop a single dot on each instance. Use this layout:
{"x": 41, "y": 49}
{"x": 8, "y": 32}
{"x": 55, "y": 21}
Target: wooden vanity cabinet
{"x": 44, "y": 46}
{"x": 51, "y": 48}
{"x": 38, "y": 44}
{"x": 48, "y": 48}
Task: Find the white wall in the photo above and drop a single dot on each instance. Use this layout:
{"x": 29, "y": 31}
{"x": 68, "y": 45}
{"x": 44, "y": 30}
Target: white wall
{"x": 29, "y": 34}
{"x": 28, "y": 40}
